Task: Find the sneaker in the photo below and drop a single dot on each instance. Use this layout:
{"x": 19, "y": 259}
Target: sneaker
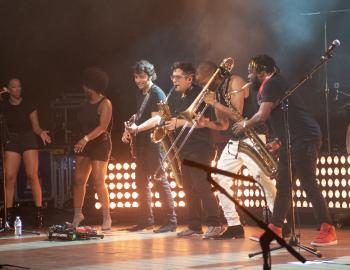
{"x": 275, "y": 229}
{"x": 78, "y": 218}
{"x": 212, "y": 232}
{"x": 107, "y": 224}
{"x": 189, "y": 232}
{"x": 170, "y": 227}
{"x": 232, "y": 232}
{"x": 326, "y": 237}
{"x": 141, "y": 227}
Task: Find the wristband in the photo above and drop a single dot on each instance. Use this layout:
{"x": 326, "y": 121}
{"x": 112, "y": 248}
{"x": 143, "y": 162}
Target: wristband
{"x": 86, "y": 138}
{"x": 244, "y": 124}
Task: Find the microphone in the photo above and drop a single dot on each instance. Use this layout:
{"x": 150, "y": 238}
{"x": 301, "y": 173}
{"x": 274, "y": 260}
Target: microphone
{"x": 331, "y": 47}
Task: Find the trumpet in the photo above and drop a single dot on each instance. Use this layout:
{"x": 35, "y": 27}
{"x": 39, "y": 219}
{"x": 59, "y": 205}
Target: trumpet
{"x": 191, "y": 112}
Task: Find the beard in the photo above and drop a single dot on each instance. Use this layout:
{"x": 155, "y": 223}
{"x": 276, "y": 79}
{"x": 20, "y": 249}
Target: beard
{"x": 255, "y": 84}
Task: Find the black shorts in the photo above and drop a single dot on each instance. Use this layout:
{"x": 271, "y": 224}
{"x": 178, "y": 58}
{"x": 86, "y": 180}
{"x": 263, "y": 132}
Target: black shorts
{"x": 21, "y": 142}
{"x": 99, "y": 148}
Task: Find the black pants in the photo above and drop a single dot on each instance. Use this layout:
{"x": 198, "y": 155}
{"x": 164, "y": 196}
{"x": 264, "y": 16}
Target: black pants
{"x": 304, "y": 160}
{"x": 199, "y": 194}
{"x": 148, "y": 160}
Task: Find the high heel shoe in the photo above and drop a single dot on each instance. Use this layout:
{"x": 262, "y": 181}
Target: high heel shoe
{"x": 39, "y": 220}
{"x": 78, "y": 218}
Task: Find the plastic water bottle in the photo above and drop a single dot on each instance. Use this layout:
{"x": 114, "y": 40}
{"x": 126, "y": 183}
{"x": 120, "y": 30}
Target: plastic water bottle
{"x": 18, "y": 227}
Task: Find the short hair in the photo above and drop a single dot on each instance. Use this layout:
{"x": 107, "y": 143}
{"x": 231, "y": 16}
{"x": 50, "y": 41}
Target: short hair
{"x": 96, "y": 79}
{"x": 146, "y": 67}
{"x": 263, "y": 63}
{"x": 187, "y": 68}
{"x": 11, "y": 79}
{"x": 208, "y": 67}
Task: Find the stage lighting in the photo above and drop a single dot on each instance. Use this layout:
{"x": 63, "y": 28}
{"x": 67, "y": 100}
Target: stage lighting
{"x": 98, "y": 205}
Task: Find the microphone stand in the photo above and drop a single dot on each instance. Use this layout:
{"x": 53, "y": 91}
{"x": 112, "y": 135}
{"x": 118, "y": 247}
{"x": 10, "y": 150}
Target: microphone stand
{"x": 269, "y": 235}
{"x": 326, "y": 89}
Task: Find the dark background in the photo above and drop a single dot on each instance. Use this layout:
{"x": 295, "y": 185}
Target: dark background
{"x": 48, "y": 43}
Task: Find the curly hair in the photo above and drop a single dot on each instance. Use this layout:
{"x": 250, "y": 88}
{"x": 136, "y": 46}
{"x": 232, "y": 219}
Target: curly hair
{"x": 96, "y": 79}
{"x": 146, "y": 67}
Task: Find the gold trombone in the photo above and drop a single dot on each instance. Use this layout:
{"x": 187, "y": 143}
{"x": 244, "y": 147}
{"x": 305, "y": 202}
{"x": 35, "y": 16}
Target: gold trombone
{"x": 191, "y": 112}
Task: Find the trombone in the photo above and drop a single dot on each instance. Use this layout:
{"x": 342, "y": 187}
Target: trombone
{"x": 190, "y": 113}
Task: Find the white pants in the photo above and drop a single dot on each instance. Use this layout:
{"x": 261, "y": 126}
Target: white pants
{"x": 232, "y": 161}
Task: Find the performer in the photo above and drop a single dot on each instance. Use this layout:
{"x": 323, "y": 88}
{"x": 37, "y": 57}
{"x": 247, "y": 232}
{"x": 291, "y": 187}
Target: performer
{"x": 199, "y": 148}
{"x": 305, "y": 137}
{"x": 21, "y": 124}
{"x": 94, "y": 148}
{"x": 148, "y": 156}
{"x": 231, "y": 158}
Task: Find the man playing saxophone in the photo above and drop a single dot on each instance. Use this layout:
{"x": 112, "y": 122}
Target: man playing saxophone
{"x": 236, "y": 96}
{"x": 147, "y": 153}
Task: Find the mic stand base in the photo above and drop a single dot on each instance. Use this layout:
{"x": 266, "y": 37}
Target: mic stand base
{"x": 294, "y": 242}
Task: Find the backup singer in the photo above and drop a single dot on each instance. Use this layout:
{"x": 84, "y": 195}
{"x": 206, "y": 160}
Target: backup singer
{"x": 305, "y": 137}
{"x": 94, "y": 148}
{"x": 231, "y": 158}
{"x": 148, "y": 156}
{"x": 198, "y": 148}
{"x": 21, "y": 124}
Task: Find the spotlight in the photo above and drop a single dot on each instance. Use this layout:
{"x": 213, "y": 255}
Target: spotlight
{"x": 134, "y": 195}
{"x": 98, "y": 205}
{"x": 111, "y": 166}
{"x": 112, "y": 195}
{"x": 172, "y": 184}
{"x": 111, "y": 186}
{"x": 118, "y": 167}
{"x": 181, "y": 194}
{"x": 135, "y": 204}
{"x": 127, "y": 204}
{"x": 111, "y": 176}
{"x": 133, "y": 166}
{"x": 119, "y": 185}
{"x": 126, "y": 166}
{"x": 112, "y": 205}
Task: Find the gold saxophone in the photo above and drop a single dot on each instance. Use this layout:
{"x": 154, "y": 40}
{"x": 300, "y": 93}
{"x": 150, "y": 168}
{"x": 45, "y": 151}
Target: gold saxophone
{"x": 257, "y": 151}
{"x": 166, "y": 138}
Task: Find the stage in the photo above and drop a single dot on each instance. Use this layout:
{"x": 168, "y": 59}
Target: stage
{"x": 145, "y": 250}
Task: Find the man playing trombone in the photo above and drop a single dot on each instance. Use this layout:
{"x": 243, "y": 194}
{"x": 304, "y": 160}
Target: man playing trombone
{"x": 198, "y": 147}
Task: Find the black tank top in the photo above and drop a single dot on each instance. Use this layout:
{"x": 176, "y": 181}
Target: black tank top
{"x": 89, "y": 118}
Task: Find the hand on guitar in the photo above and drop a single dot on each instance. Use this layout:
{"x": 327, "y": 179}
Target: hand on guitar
{"x": 126, "y": 138}
{"x": 131, "y": 129}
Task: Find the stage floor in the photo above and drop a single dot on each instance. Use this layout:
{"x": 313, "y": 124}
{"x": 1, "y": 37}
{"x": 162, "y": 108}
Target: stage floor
{"x": 145, "y": 250}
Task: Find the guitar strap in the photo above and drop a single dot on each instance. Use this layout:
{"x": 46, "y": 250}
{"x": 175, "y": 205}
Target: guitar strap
{"x": 143, "y": 106}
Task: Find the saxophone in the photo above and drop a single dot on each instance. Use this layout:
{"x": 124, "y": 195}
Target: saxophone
{"x": 166, "y": 138}
{"x": 257, "y": 151}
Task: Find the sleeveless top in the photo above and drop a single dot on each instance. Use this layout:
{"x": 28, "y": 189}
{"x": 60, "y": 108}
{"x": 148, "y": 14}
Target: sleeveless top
{"x": 89, "y": 118}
